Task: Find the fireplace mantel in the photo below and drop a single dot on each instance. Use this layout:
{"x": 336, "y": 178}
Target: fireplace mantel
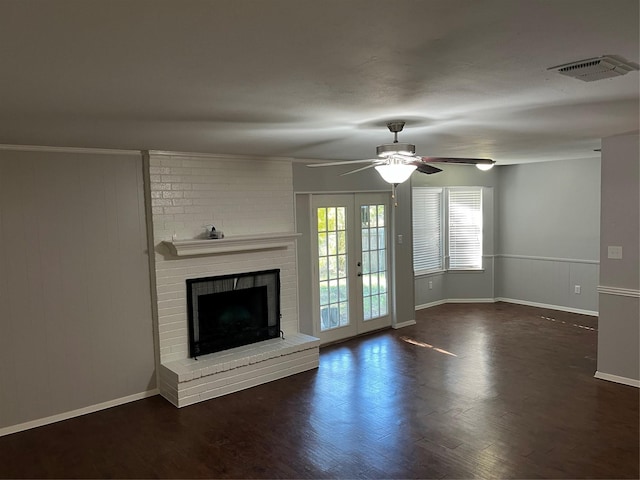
{"x": 244, "y": 243}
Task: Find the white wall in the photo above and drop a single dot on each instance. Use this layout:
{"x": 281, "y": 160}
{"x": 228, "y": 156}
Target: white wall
{"x": 619, "y": 323}
{"x": 549, "y": 229}
{"x": 75, "y": 308}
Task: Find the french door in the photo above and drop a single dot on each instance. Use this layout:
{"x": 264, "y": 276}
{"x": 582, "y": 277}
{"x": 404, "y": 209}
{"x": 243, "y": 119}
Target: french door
{"x": 350, "y": 245}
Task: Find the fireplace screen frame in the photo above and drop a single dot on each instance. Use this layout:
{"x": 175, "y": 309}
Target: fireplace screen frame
{"x": 224, "y": 283}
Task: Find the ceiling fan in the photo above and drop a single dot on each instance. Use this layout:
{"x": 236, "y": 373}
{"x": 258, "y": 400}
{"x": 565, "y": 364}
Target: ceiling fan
{"x": 397, "y": 161}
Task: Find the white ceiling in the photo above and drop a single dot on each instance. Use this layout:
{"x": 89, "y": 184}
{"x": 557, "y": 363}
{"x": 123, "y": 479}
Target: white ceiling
{"x": 316, "y": 78}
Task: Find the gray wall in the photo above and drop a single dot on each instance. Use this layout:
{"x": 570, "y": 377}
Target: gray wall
{"x": 403, "y": 253}
{"x": 550, "y": 209}
{"x": 548, "y": 241}
{"x": 303, "y": 249}
{"x": 328, "y": 180}
{"x": 541, "y": 235}
{"x": 468, "y": 285}
{"x": 618, "y": 326}
{"x": 75, "y": 308}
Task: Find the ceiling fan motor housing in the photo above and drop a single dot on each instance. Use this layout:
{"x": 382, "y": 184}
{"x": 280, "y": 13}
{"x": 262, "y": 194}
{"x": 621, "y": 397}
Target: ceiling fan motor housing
{"x": 390, "y": 149}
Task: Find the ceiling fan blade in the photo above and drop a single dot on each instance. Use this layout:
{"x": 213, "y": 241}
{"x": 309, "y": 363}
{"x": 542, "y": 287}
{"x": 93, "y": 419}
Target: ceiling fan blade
{"x": 426, "y": 168}
{"x": 464, "y": 161}
{"x": 346, "y": 162}
{"x": 358, "y": 169}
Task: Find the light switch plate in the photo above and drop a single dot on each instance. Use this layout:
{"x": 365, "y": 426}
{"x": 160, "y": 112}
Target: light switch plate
{"x": 614, "y": 252}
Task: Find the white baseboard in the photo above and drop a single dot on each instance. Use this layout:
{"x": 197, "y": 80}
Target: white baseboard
{"x": 455, "y": 300}
{"x": 471, "y": 300}
{"x": 507, "y": 300}
{"x": 431, "y": 304}
{"x": 76, "y": 413}
{"x": 546, "y": 305}
{"x": 408, "y": 323}
{"x": 617, "y": 379}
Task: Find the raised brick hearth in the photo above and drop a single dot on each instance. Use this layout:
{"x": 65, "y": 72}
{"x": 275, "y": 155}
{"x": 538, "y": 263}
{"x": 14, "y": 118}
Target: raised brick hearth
{"x": 188, "y": 381}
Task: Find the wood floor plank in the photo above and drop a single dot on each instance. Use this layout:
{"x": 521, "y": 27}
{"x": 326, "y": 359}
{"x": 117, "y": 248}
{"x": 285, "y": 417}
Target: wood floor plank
{"x": 470, "y": 391}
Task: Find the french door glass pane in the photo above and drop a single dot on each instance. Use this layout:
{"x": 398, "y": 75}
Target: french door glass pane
{"x": 374, "y": 265}
{"x": 332, "y": 267}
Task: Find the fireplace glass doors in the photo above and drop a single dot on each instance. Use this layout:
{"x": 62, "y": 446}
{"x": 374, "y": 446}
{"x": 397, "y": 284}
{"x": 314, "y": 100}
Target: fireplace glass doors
{"x": 232, "y": 310}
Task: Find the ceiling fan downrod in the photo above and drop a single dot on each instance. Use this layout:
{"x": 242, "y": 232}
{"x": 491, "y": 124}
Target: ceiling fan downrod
{"x": 395, "y": 127}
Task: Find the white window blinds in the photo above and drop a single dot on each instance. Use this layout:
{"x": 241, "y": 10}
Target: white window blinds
{"x": 465, "y": 228}
{"x": 427, "y": 229}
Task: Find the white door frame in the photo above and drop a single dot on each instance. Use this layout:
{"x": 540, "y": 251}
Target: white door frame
{"x": 352, "y": 202}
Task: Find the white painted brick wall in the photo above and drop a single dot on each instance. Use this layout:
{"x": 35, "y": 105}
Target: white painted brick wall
{"x": 240, "y": 197}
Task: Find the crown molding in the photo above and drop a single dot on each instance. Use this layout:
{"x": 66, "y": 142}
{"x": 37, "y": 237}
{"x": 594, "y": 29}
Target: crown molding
{"x": 216, "y": 156}
{"x": 44, "y": 148}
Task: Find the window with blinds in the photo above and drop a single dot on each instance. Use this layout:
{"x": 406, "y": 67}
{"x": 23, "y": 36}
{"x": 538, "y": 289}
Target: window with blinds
{"x": 462, "y": 209}
{"x": 427, "y": 229}
{"x": 465, "y": 228}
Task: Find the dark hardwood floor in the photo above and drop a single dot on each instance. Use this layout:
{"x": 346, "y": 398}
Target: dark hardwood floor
{"x": 472, "y": 390}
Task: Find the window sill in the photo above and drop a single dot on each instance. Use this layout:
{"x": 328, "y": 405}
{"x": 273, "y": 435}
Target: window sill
{"x": 467, "y": 270}
{"x": 429, "y": 273}
{"x": 442, "y": 272}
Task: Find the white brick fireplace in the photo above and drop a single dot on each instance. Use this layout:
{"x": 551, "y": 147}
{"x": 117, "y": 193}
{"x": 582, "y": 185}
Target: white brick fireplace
{"x": 251, "y": 201}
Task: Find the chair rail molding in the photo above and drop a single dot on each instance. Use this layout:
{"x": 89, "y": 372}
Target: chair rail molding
{"x": 618, "y": 291}
{"x": 548, "y": 259}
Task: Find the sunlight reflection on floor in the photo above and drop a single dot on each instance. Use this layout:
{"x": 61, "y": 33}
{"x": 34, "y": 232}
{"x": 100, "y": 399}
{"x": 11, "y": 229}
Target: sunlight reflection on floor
{"x": 572, "y": 324}
{"x": 426, "y": 345}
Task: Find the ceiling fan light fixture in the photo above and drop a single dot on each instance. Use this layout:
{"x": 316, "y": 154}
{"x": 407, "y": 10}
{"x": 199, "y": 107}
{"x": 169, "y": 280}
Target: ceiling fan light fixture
{"x": 484, "y": 166}
{"x": 397, "y": 161}
{"x": 395, "y": 173}
{"x": 389, "y": 149}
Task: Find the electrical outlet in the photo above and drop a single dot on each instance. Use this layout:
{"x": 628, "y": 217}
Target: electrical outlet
{"x": 430, "y": 285}
{"x": 576, "y": 289}
{"x": 614, "y": 252}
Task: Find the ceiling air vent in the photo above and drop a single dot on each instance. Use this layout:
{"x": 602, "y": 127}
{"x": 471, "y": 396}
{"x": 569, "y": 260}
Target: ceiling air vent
{"x": 598, "y": 68}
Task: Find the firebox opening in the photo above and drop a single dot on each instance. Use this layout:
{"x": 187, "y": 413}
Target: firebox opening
{"x": 233, "y": 310}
